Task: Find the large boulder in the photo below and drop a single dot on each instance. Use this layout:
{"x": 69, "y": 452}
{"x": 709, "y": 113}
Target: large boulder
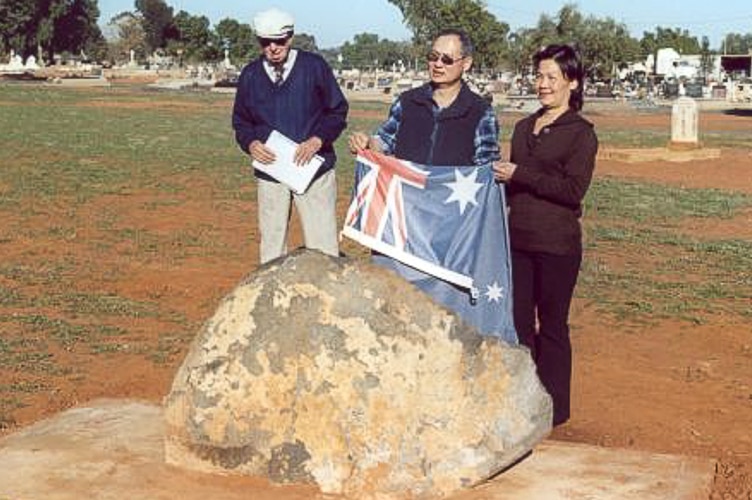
{"x": 338, "y": 373}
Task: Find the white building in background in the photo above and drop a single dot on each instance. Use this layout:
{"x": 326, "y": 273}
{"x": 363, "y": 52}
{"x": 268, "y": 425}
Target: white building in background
{"x": 668, "y": 63}
{"x": 664, "y": 61}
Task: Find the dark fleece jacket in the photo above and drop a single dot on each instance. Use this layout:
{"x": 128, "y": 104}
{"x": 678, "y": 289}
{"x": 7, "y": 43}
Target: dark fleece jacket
{"x": 554, "y": 170}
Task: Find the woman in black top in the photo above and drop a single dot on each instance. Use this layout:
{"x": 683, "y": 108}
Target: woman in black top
{"x": 552, "y": 160}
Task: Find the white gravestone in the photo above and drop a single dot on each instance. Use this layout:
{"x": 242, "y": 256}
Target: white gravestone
{"x": 16, "y": 63}
{"x": 31, "y": 63}
{"x": 684, "y": 122}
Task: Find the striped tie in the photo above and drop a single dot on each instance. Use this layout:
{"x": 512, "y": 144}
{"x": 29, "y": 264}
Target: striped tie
{"x": 279, "y": 73}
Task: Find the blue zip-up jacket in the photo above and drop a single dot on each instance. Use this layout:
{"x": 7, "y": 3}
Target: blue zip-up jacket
{"x": 308, "y": 103}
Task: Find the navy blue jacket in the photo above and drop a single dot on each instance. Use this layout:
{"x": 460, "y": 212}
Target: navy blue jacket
{"x": 308, "y": 103}
{"x": 444, "y": 139}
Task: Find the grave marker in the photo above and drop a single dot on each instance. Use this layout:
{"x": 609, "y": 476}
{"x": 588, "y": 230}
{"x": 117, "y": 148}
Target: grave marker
{"x": 684, "y": 124}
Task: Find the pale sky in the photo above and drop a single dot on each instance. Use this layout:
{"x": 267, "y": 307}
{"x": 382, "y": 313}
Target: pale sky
{"x": 333, "y": 22}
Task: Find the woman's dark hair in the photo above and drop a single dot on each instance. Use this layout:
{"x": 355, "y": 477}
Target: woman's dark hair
{"x": 570, "y": 62}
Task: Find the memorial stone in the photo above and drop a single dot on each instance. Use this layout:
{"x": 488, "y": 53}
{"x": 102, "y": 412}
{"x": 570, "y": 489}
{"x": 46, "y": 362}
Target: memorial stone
{"x": 31, "y": 63}
{"x": 338, "y": 373}
{"x": 684, "y": 123}
{"x": 16, "y": 63}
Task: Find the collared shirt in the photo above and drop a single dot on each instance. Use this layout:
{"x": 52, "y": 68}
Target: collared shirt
{"x": 287, "y": 66}
{"x": 486, "y": 133}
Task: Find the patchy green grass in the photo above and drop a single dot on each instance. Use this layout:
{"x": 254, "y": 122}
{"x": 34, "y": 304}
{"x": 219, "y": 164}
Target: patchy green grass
{"x": 641, "y": 202}
{"x": 641, "y": 267}
{"x": 10, "y": 297}
{"x": 168, "y": 348}
{"x": 726, "y": 139}
{"x": 62, "y": 331}
{"x": 634, "y": 138}
{"x": 98, "y": 142}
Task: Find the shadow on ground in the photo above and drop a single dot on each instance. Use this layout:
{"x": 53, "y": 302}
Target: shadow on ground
{"x": 738, "y": 112}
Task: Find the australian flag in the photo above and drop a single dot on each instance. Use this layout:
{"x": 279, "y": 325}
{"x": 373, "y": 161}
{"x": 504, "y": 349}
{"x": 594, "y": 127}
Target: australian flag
{"x": 444, "y": 229}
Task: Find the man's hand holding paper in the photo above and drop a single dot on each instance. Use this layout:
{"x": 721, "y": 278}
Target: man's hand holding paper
{"x": 291, "y": 163}
{"x": 261, "y": 153}
{"x": 307, "y": 149}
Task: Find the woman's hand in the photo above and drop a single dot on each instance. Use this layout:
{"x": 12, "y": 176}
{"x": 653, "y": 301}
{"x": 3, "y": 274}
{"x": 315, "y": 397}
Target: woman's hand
{"x": 503, "y": 170}
{"x": 358, "y": 141}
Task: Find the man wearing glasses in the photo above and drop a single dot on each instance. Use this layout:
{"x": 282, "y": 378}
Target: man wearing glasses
{"x": 443, "y": 122}
{"x": 295, "y": 93}
{"x": 439, "y": 125}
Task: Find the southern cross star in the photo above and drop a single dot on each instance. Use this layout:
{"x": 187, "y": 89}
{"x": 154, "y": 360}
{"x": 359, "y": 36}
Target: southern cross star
{"x": 463, "y": 189}
{"x": 494, "y": 292}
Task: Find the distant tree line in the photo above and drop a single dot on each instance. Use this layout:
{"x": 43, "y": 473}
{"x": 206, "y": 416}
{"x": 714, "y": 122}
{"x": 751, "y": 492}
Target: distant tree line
{"x": 47, "y": 27}
{"x": 44, "y": 27}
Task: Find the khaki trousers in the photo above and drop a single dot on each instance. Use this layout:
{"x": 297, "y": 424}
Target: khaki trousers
{"x": 317, "y": 210}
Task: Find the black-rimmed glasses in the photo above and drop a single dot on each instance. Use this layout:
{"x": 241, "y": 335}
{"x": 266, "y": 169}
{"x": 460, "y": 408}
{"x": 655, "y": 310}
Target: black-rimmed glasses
{"x": 265, "y": 42}
{"x": 446, "y": 60}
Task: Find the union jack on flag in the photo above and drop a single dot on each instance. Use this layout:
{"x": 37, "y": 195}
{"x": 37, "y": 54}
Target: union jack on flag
{"x": 442, "y": 228}
{"x": 379, "y": 196}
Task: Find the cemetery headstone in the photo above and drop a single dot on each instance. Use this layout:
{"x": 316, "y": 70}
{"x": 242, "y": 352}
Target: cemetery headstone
{"x": 31, "y": 63}
{"x": 16, "y": 63}
{"x": 684, "y": 117}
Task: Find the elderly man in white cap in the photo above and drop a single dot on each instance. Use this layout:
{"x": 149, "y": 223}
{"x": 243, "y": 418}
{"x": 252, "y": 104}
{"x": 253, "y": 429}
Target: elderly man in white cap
{"x": 294, "y": 92}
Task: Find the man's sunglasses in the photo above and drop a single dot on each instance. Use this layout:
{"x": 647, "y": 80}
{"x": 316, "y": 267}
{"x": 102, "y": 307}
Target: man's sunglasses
{"x": 446, "y": 60}
{"x": 265, "y": 42}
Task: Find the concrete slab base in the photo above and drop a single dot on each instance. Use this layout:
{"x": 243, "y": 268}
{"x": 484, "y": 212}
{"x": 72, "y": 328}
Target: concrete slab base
{"x": 113, "y": 449}
{"x": 556, "y": 470}
{"x": 638, "y": 155}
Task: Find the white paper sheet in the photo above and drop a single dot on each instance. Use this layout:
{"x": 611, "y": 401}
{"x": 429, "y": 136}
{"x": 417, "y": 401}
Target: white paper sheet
{"x": 284, "y": 169}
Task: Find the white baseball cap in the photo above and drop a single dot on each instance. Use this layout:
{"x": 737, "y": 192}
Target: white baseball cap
{"x": 273, "y": 23}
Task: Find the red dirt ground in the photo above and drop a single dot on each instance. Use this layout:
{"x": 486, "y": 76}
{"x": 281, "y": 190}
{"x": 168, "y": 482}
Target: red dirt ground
{"x": 670, "y": 388}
